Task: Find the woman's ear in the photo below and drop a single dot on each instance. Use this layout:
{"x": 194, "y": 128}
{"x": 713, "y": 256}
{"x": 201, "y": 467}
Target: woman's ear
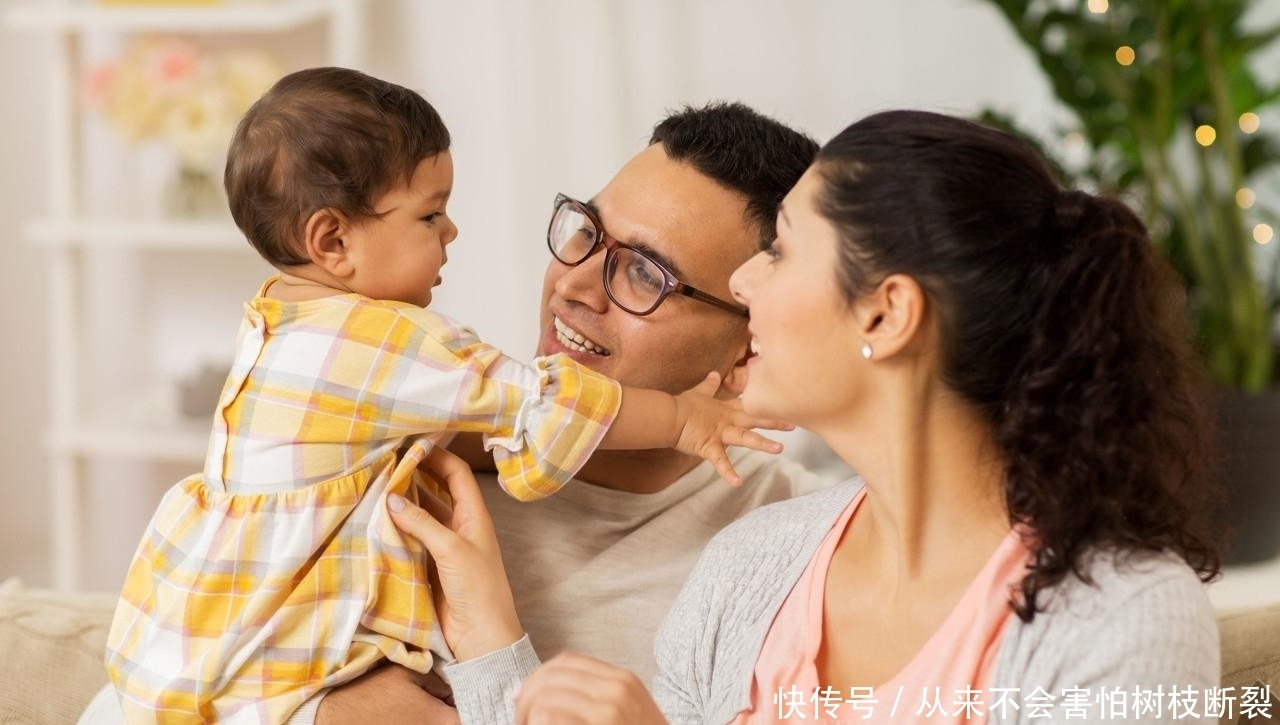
{"x": 889, "y": 318}
{"x": 325, "y": 238}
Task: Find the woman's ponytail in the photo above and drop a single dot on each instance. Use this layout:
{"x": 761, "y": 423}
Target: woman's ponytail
{"x": 1104, "y": 424}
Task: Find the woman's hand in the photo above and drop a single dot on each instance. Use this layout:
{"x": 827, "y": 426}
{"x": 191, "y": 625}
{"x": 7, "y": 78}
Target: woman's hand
{"x": 574, "y": 689}
{"x": 472, "y": 595}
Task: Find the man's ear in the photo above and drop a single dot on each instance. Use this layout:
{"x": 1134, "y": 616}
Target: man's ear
{"x": 326, "y": 245}
{"x": 889, "y": 317}
{"x": 735, "y": 380}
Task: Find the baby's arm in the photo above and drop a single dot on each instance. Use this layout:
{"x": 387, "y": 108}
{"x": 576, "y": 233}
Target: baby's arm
{"x": 694, "y": 422}
{"x": 541, "y": 422}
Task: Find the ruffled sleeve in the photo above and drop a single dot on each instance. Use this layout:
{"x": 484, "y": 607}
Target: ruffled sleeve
{"x": 556, "y": 430}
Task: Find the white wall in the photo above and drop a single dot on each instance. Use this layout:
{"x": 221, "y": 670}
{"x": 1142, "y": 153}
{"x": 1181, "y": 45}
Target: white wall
{"x": 23, "y": 377}
{"x": 554, "y": 96}
{"x": 541, "y": 97}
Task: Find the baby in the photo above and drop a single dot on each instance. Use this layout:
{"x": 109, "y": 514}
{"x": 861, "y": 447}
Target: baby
{"x": 275, "y": 573}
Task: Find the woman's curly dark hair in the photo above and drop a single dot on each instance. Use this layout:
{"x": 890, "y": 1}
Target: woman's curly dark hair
{"x": 1058, "y": 321}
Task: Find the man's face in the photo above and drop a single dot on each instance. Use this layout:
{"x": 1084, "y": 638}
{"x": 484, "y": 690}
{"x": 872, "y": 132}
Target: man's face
{"x": 688, "y": 221}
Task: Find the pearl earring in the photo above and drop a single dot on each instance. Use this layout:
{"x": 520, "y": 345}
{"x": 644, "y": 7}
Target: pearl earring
{"x": 867, "y": 352}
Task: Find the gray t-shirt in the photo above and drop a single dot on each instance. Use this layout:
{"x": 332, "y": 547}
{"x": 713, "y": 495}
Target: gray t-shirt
{"x": 594, "y": 570}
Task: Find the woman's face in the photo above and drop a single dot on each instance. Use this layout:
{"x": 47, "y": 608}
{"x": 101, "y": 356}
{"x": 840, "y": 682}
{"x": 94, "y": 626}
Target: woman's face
{"x": 804, "y": 336}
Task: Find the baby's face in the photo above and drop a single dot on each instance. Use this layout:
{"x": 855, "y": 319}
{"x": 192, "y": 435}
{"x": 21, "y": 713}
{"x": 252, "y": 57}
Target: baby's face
{"x": 398, "y": 255}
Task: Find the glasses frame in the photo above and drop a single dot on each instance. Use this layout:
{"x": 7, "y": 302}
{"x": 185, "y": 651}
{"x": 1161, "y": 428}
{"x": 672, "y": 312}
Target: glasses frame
{"x": 671, "y": 284}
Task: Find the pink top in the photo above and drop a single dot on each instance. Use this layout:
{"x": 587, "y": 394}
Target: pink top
{"x": 955, "y": 665}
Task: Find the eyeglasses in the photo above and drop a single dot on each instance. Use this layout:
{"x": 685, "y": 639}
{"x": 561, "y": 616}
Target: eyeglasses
{"x": 634, "y": 282}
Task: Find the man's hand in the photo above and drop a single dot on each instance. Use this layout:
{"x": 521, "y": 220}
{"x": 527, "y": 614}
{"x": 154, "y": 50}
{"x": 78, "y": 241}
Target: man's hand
{"x": 390, "y": 694}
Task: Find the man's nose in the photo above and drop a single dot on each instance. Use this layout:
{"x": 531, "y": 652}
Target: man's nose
{"x": 584, "y": 283}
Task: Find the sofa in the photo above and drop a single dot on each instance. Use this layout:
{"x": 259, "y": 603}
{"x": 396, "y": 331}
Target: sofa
{"x": 51, "y": 653}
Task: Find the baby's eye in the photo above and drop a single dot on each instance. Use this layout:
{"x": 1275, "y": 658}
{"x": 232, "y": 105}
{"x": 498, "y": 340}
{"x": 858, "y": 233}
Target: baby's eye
{"x": 432, "y": 216}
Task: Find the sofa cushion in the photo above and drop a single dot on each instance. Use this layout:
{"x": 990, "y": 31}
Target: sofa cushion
{"x": 1251, "y": 653}
{"x": 51, "y": 647}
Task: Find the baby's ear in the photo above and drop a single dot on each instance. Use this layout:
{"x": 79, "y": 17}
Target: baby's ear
{"x": 325, "y": 244}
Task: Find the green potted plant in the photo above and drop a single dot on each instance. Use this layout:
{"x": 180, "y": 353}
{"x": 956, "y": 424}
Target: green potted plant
{"x": 1167, "y": 109}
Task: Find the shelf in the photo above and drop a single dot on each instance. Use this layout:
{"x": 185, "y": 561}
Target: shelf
{"x": 143, "y": 423}
{"x": 228, "y": 17}
{"x": 184, "y": 443}
{"x": 213, "y": 234}
{"x": 139, "y": 425}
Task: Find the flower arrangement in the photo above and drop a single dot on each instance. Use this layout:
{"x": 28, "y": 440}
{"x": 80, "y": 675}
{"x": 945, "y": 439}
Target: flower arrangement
{"x": 175, "y": 90}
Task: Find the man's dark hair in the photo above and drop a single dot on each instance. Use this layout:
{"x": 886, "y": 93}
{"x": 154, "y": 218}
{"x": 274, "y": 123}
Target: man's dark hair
{"x": 741, "y": 150}
{"x": 323, "y": 138}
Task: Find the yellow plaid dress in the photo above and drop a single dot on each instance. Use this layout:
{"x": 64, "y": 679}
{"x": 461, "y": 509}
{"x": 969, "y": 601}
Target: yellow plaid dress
{"x": 276, "y": 573}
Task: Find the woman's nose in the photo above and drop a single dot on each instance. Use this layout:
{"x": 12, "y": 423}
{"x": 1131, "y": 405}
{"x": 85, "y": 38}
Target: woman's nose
{"x": 742, "y": 281}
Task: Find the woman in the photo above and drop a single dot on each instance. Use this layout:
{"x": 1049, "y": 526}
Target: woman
{"x": 1005, "y": 364}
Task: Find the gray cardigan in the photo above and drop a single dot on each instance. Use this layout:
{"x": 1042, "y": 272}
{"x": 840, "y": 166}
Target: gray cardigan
{"x": 1145, "y": 623}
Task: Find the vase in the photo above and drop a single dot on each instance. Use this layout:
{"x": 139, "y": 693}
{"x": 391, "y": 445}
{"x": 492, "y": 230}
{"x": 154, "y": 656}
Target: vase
{"x": 194, "y": 193}
{"x": 1250, "y": 431}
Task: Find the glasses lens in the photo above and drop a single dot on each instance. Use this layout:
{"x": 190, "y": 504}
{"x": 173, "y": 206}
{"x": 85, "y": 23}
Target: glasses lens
{"x": 635, "y": 282}
{"x": 572, "y": 234}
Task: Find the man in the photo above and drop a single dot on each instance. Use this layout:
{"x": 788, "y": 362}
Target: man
{"x": 594, "y": 568}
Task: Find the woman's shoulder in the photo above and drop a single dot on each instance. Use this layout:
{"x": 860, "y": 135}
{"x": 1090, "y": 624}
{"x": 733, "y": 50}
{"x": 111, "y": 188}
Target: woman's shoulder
{"x": 785, "y": 520}
{"x": 775, "y": 540}
{"x": 1137, "y": 619}
{"x": 1115, "y": 579}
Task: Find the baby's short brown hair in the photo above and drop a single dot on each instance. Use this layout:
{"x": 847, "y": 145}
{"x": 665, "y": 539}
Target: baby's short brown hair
{"x": 323, "y": 138}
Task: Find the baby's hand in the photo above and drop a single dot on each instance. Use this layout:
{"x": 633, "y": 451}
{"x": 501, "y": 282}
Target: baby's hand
{"x": 708, "y": 424}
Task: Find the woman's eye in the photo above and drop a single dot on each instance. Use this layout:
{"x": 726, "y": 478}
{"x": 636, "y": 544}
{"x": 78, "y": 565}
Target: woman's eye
{"x": 770, "y": 248}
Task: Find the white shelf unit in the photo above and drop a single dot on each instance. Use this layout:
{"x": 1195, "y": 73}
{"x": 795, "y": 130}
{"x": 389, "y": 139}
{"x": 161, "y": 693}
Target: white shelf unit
{"x": 229, "y": 17}
{"x": 76, "y": 434}
{"x": 144, "y": 440}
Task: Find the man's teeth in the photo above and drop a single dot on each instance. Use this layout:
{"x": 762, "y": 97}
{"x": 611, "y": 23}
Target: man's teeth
{"x": 755, "y": 346}
{"x": 574, "y": 340}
